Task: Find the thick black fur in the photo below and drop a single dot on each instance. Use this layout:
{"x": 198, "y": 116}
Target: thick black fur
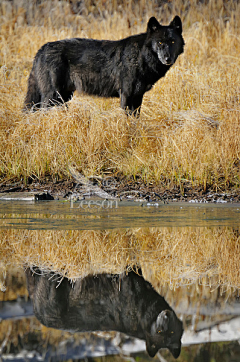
{"x": 125, "y": 68}
{"x": 105, "y": 302}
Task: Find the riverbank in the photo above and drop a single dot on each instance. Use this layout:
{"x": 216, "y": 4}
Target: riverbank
{"x": 123, "y": 189}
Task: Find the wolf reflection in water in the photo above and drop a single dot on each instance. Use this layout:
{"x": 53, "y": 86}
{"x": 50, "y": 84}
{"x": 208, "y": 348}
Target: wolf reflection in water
{"x": 106, "y": 302}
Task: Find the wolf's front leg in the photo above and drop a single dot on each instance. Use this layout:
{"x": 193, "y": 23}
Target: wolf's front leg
{"x": 131, "y": 104}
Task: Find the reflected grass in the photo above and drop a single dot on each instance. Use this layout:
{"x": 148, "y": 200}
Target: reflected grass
{"x": 191, "y": 265}
{"x": 167, "y": 256}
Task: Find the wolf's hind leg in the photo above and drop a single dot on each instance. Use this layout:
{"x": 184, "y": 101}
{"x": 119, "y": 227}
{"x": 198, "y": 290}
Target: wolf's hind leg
{"x": 33, "y": 97}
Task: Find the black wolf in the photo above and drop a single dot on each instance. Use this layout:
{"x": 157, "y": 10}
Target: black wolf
{"x": 125, "y": 68}
{"x": 105, "y": 302}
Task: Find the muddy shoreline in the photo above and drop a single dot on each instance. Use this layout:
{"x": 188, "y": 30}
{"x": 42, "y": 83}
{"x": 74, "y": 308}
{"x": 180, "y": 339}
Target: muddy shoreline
{"x": 122, "y": 189}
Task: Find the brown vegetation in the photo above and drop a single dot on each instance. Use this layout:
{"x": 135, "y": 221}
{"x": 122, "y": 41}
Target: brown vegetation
{"x": 189, "y": 128}
{"x": 167, "y": 256}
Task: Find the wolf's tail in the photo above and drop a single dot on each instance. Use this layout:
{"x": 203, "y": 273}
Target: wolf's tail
{"x": 33, "y": 97}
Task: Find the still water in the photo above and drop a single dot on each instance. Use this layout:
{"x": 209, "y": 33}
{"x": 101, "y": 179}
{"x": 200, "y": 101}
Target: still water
{"x": 81, "y": 280}
{"x": 109, "y": 214}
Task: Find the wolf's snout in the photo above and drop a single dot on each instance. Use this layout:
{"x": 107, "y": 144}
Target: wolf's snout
{"x": 168, "y": 60}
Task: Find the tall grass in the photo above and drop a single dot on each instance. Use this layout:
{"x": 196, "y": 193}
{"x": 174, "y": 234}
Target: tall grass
{"x": 188, "y": 132}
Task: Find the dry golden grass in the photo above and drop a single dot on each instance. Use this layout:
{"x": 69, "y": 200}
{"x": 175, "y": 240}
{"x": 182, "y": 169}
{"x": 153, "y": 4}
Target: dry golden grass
{"x": 189, "y": 128}
{"x": 167, "y": 256}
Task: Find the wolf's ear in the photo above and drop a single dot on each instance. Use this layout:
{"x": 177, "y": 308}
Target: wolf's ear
{"x": 163, "y": 320}
{"x": 153, "y": 24}
{"x": 150, "y": 346}
{"x": 175, "y": 350}
{"x": 176, "y": 23}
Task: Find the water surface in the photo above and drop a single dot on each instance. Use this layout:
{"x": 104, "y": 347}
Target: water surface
{"x": 182, "y": 248}
{"x": 108, "y": 214}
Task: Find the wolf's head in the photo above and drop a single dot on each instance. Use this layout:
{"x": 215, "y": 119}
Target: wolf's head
{"x": 166, "y": 41}
{"x": 166, "y": 332}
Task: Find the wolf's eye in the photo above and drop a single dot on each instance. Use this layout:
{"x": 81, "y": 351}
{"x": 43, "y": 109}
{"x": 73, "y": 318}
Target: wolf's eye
{"x": 160, "y": 43}
{"x": 172, "y": 332}
{"x": 159, "y": 331}
{"x": 173, "y": 42}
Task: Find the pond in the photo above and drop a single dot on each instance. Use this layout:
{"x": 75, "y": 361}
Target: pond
{"x": 93, "y": 278}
